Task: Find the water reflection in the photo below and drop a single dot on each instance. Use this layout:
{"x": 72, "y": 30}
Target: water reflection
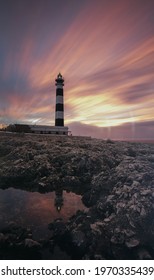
{"x": 36, "y": 210}
{"x": 58, "y": 199}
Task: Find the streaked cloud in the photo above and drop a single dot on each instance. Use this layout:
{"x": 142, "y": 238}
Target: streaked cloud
{"x": 104, "y": 49}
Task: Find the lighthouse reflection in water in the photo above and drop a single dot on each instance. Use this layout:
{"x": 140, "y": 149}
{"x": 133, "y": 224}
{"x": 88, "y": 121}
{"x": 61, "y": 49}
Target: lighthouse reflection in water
{"x": 59, "y": 199}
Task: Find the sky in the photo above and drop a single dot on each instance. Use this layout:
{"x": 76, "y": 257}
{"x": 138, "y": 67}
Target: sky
{"x": 105, "y": 52}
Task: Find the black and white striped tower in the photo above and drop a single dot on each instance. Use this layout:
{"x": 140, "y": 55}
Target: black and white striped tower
{"x": 59, "y": 114}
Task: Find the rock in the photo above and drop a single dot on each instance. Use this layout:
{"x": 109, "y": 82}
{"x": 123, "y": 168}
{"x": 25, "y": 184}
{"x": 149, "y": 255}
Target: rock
{"x": 146, "y": 192}
{"x": 78, "y": 238}
{"x": 89, "y": 198}
{"x": 96, "y": 227}
{"x": 132, "y": 243}
{"x": 110, "y": 198}
{"x": 135, "y": 184}
{"x": 115, "y": 180}
{"x": 111, "y": 217}
{"x": 30, "y": 243}
{"x": 98, "y": 257}
{"x": 131, "y": 152}
{"x": 129, "y": 233}
{"x": 143, "y": 254}
{"x": 41, "y": 184}
{"x": 2, "y": 238}
{"x": 79, "y": 241}
{"x": 58, "y": 227}
{"x": 118, "y": 237}
{"x": 143, "y": 212}
{"x": 104, "y": 207}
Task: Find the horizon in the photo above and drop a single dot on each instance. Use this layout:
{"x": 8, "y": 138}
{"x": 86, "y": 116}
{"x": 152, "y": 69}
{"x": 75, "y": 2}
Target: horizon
{"x": 136, "y": 140}
{"x": 105, "y": 52}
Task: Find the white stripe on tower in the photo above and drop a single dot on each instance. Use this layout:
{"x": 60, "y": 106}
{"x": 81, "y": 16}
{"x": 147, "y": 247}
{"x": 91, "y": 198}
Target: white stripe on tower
{"x": 59, "y": 114}
{"x": 59, "y": 86}
{"x": 59, "y": 99}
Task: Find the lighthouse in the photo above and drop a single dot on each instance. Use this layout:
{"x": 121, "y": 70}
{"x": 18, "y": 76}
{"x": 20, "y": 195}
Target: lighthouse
{"x": 59, "y": 112}
{"x": 59, "y": 128}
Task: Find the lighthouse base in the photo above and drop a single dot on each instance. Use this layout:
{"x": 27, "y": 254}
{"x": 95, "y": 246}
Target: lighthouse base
{"x": 47, "y": 129}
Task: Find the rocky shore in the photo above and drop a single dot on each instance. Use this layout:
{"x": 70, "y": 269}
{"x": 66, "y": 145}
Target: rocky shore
{"x": 115, "y": 179}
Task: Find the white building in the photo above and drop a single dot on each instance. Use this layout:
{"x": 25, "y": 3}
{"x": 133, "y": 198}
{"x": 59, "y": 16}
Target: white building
{"x": 47, "y": 129}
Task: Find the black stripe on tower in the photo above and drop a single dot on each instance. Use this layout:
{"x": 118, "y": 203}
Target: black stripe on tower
{"x": 59, "y": 122}
{"x": 60, "y": 107}
{"x": 59, "y": 91}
